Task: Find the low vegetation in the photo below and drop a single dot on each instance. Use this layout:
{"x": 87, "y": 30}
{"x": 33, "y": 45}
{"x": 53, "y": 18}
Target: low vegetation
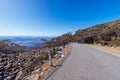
{"x": 106, "y": 34}
{"x": 60, "y": 40}
{"x": 111, "y": 43}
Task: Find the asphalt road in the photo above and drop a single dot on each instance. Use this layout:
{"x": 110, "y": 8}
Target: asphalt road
{"x": 86, "y": 63}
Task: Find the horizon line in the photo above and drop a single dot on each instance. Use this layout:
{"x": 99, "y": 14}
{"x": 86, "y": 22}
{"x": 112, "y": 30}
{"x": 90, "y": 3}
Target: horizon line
{"x": 24, "y": 36}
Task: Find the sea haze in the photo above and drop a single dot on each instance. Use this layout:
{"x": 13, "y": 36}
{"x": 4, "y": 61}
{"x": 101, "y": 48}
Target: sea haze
{"x": 30, "y": 42}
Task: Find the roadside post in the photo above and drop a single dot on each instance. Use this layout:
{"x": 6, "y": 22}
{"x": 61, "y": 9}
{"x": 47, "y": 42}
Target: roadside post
{"x": 67, "y": 48}
{"x": 50, "y": 60}
{"x": 63, "y": 54}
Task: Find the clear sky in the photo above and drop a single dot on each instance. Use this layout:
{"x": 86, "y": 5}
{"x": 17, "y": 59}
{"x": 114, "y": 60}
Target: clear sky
{"x": 54, "y": 17}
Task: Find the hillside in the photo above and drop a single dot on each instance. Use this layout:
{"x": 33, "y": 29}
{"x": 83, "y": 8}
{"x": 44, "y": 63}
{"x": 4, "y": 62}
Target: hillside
{"x": 106, "y": 33}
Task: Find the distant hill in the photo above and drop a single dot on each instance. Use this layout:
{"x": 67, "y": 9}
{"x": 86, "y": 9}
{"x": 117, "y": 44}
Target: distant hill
{"x": 30, "y": 42}
{"x": 105, "y": 32}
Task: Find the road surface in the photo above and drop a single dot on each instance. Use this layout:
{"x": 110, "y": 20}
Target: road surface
{"x": 86, "y": 63}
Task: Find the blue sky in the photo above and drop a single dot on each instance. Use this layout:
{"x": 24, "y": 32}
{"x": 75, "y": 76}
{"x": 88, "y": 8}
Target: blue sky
{"x": 54, "y": 17}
